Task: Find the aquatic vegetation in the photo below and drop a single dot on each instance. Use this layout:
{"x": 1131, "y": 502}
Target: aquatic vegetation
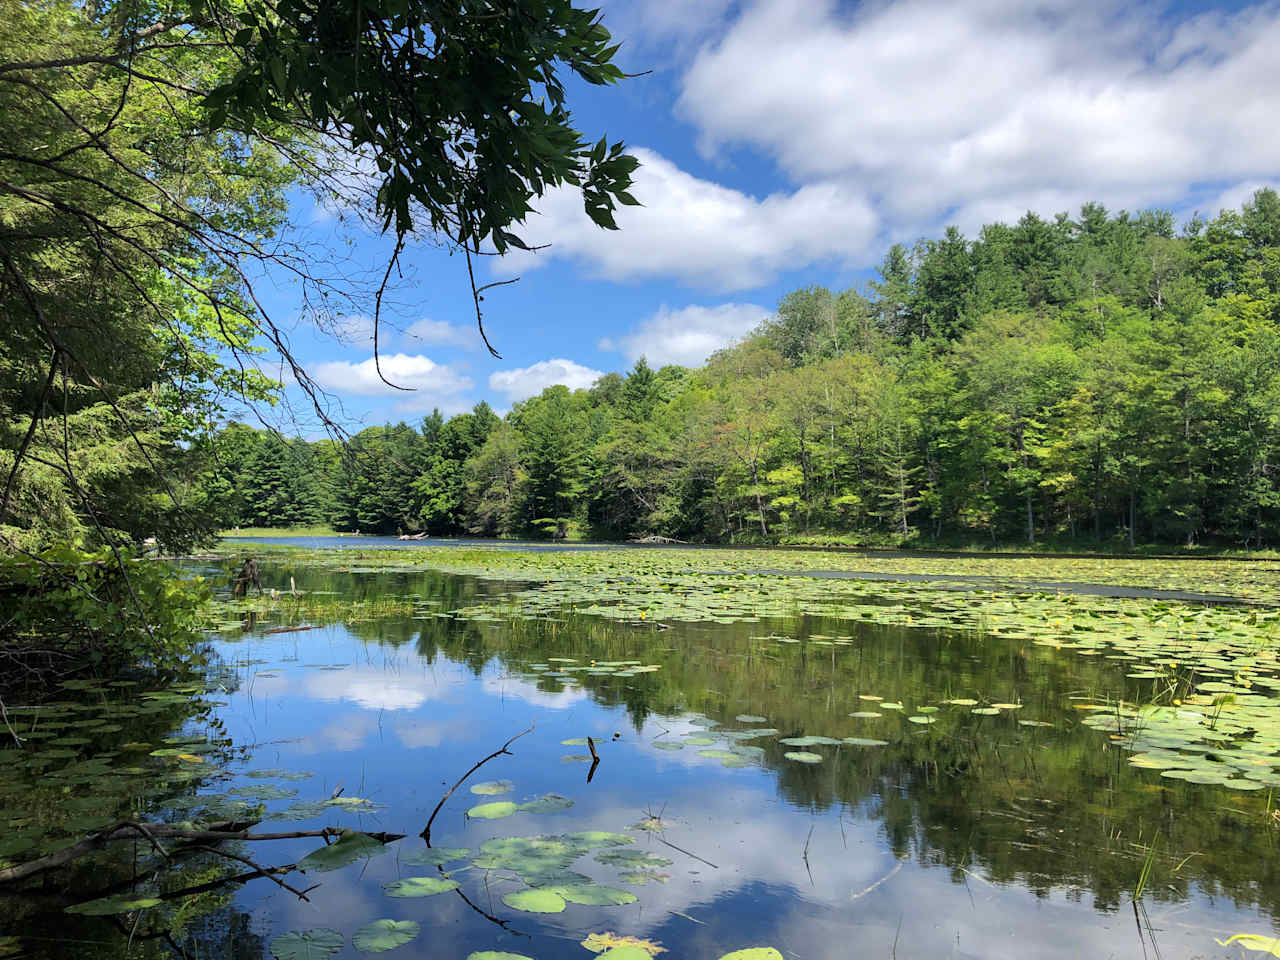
{"x": 314, "y": 944}
{"x": 380, "y": 936}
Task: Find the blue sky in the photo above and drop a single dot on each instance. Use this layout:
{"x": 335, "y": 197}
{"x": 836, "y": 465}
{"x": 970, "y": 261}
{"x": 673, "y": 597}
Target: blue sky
{"x": 785, "y": 144}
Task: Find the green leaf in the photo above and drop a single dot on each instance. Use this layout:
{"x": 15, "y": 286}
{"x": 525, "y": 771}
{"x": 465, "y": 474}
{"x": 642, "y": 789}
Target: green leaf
{"x": 754, "y": 953}
{"x": 383, "y": 935}
{"x": 315, "y": 944}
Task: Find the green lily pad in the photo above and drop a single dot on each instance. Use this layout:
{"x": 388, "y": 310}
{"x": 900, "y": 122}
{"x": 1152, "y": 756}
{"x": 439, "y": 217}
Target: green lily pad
{"x": 383, "y": 935}
{"x": 748, "y": 718}
{"x": 535, "y": 901}
{"x": 314, "y": 944}
{"x": 550, "y": 803}
{"x": 411, "y": 887}
{"x": 491, "y": 788}
{"x": 754, "y": 953}
{"x": 594, "y": 895}
{"x": 803, "y": 756}
{"x": 669, "y": 744}
{"x": 496, "y": 955}
{"x": 351, "y": 846}
{"x": 492, "y": 811}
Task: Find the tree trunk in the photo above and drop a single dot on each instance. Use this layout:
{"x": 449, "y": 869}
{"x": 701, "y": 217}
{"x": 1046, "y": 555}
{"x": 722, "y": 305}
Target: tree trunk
{"x": 1133, "y": 514}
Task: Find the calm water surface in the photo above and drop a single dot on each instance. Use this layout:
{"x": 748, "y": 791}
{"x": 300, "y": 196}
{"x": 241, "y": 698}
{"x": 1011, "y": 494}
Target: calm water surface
{"x": 1015, "y": 835}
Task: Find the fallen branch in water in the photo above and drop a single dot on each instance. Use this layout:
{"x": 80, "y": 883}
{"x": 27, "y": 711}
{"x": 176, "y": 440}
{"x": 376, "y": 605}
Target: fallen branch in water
{"x": 126, "y": 830}
{"x": 426, "y": 831}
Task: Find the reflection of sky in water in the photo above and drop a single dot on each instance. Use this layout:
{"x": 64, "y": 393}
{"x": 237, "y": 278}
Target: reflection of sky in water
{"x": 393, "y": 728}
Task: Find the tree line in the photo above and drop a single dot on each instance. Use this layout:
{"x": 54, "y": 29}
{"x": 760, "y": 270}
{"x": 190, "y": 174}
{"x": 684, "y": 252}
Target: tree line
{"x": 1104, "y": 377}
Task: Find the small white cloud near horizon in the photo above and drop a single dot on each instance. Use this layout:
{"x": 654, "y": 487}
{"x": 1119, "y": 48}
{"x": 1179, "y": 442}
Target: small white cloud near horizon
{"x": 689, "y": 335}
{"x": 701, "y": 233}
{"x": 525, "y": 382}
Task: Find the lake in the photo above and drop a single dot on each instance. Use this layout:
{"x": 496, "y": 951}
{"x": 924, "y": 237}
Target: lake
{"x": 829, "y": 766}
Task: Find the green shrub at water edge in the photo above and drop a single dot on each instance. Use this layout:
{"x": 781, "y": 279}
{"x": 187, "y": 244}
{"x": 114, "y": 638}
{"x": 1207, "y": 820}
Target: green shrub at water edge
{"x": 73, "y": 607}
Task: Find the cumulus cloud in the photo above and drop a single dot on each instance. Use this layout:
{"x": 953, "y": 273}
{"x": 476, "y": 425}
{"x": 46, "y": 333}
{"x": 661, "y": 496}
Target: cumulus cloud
{"x": 414, "y": 371}
{"x": 702, "y": 233}
{"x": 529, "y": 381}
{"x": 945, "y": 111}
{"x": 687, "y": 336}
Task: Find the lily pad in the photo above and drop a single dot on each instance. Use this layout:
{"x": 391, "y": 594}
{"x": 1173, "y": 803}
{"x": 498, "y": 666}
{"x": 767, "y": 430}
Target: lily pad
{"x": 535, "y": 901}
{"x": 594, "y": 895}
{"x": 351, "y": 846}
{"x": 383, "y": 935}
{"x": 314, "y": 944}
{"x": 803, "y": 756}
{"x": 492, "y": 811}
{"x": 491, "y": 788}
{"x": 754, "y": 953}
{"x": 550, "y": 803}
{"x": 412, "y": 887}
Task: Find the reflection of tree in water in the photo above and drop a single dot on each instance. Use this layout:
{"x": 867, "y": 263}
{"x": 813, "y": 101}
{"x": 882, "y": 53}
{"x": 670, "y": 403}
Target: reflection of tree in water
{"x": 1049, "y": 807}
{"x": 48, "y": 804}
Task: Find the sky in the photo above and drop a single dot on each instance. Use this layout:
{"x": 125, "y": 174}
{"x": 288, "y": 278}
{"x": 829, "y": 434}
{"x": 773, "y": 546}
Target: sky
{"x": 785, "y": 144}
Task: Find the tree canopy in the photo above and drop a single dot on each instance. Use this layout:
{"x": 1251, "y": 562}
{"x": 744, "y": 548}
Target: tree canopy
{"x": 148, "y": 152}
{"x": 1098, "y": 379}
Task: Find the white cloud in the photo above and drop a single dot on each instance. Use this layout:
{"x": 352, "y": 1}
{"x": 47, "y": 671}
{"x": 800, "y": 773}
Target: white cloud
{"x": 702, "y": 233}
{"x": 946, "y": 111}
{"x": 687, "y": 336}
{"x": 442, "y": 333}
{"x": 433, "y": 382}
{"x": 529, "y": 381}
{"x": 655, "y": 30}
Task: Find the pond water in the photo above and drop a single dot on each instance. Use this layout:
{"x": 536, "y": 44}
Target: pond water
{"x": 823, "y": 786}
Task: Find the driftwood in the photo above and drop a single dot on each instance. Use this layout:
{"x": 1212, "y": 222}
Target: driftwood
{"x": 656, "y": 539}
{"x": 249, "y": 576}
{"x": 413, "y": 536}
{"x": 152, "y": 832}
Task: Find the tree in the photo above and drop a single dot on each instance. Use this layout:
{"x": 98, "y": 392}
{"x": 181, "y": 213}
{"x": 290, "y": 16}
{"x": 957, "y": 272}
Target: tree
{"x": 142, "y": 186}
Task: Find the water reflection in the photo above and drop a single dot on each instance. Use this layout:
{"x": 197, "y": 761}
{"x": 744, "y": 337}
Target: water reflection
{"x": 1015, "y": 834}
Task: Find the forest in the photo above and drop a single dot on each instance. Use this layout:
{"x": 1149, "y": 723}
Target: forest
{"x": 1107, "y": 379}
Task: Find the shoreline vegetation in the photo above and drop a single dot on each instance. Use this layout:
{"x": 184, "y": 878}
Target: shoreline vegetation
{"x": 1086, "y": 383}
{"x": 1083, "y": 549}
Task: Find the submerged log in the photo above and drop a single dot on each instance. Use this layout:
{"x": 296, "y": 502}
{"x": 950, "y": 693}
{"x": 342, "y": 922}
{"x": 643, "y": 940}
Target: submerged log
{"x": 656, "y": 539}
{"x": 151, "y": 832}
